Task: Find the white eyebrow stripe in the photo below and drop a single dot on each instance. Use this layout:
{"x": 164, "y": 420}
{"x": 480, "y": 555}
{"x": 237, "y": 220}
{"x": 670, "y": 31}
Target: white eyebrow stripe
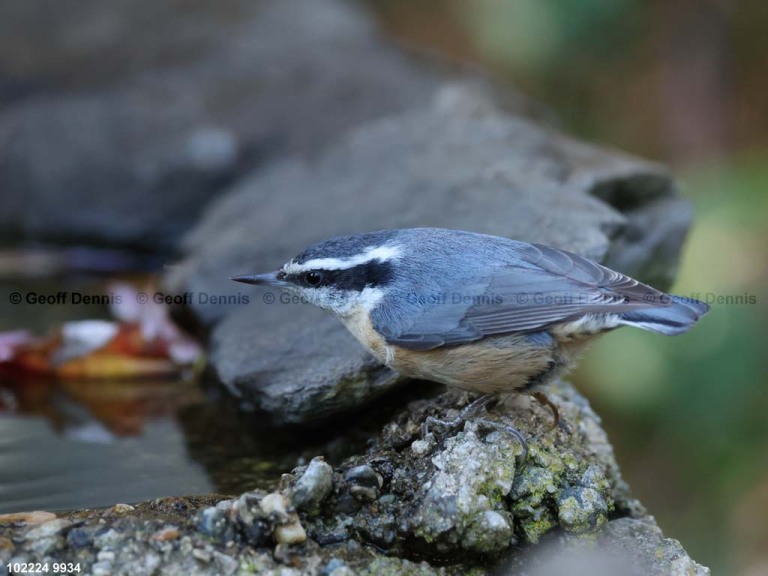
{"x": 381, "y": 253}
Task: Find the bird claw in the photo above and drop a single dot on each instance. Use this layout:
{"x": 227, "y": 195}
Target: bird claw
{"x": 544, "y": 401}
{"x": 514, "y": 432}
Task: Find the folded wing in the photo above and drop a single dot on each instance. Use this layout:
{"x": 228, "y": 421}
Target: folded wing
{"x": 543, "y": 286}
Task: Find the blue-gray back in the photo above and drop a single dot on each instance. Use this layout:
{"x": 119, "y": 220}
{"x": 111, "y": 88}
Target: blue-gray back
{"x": 453, "y": 287}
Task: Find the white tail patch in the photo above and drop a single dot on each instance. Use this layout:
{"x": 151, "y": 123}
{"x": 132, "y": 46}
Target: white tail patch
{"x": 586, "y": 325}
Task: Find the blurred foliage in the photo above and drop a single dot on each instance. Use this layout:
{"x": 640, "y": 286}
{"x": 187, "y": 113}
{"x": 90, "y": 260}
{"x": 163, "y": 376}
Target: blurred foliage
{"x": 687, "y": 415}
{"x": 681, "y": 81}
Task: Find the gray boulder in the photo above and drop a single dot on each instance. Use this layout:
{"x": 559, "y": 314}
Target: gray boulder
{"x": 130, "y": 155}
{"x": 461, "y": 163}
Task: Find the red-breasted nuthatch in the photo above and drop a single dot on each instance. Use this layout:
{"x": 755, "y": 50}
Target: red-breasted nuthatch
{"x": 477, "y": 312}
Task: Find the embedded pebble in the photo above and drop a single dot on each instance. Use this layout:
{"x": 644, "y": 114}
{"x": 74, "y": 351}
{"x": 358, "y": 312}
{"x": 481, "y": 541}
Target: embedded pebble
{"x": 105, "y": 556}
{"x": 314, "y": 485}
{"x": 47, "y": 529}
{"x": 202, "y": 555}
{"x": 420, "y": 448}
{"x": 167, "y": 533}
{"x": 364, "y": 482}
{"x": 274, "y": 504}
{"x": 226, "y": 565}
{"x": 292, "y": 533}
{"x": 102, "y": 569}
{"x": 214, "y": 521}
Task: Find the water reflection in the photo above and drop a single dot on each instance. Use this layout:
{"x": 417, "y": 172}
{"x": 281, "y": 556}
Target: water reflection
{"x": 93, "y": 443}
{"x": 43, "y": 470}
{"x": 87, "y": 444}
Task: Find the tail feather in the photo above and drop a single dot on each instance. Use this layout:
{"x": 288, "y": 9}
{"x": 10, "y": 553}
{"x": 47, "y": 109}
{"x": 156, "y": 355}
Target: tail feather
{"x": 673, "y": 319}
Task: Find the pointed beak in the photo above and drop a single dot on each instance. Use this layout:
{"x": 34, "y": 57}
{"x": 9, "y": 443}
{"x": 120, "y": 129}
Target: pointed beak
{"x": 268, "y": 279}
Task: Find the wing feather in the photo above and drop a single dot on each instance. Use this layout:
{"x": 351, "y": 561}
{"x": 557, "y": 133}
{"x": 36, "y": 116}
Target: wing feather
{"x": 542, "y": 287}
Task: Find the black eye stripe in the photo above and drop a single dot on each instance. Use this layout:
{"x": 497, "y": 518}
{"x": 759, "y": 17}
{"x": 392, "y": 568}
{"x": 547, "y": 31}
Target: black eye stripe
{"x": 374, "y": 273}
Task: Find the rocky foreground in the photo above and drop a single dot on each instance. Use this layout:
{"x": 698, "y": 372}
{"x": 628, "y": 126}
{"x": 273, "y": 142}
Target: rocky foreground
{"x": 450, "y": 502}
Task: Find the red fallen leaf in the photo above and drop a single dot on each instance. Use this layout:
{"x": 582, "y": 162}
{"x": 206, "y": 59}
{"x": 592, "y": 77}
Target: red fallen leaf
{"x": 129, "y": 340}
{"x": 32, "y": 356}
{"x": 159, "y": 335}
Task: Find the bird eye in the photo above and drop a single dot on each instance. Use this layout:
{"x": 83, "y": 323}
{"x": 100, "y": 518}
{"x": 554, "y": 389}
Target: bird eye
{"x": 313, "y": 278}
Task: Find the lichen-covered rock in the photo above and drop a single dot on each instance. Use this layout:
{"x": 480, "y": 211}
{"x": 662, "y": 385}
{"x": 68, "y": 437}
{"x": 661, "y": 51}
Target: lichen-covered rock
{"x": 466, "y": 495}
{"x": 545, "y": 496}
{"x": 627, "y": 546}
{"x": 459, "y": 506}
{"x": 581, "y": 510}
{"x": 534, "y": 489}
{"x": 462, "y": 499}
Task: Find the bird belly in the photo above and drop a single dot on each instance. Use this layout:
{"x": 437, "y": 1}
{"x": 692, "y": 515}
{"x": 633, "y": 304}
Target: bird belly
{"x": 494, "y": 364}
{"x": 491, "y": 365}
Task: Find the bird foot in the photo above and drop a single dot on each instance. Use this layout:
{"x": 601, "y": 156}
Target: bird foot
{"x": 468, "y": 412}
{"x": 471, "y": 411}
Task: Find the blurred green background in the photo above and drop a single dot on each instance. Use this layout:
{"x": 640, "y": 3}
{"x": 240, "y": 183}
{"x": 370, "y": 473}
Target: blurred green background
{"x": 682, "y": 82}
